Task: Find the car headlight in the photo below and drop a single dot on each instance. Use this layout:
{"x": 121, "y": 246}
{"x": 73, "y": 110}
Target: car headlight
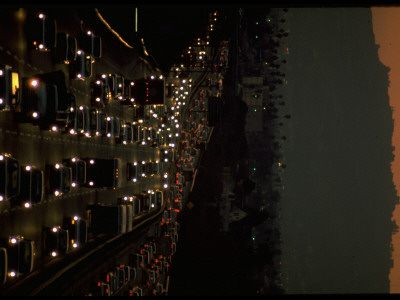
{"x": 12, "y": 273}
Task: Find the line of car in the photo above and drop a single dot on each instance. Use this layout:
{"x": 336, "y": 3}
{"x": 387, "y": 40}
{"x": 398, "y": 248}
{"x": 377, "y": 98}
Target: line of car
{"x": 58, "y": 239}
{"x": 146, "y": 270}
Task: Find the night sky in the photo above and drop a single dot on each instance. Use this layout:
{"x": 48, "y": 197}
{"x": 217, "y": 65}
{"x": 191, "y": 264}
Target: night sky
{"x": 167, "y": 30}
{"x": 339, "y": 194}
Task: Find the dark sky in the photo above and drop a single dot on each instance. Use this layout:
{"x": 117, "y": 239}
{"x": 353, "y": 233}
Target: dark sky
{"x": 167, "y": 29}
{"x": 339, "y": 194}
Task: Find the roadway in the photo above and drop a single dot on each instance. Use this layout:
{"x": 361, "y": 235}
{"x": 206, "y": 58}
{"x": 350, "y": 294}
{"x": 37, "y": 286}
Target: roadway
{"x": 31, "y": 145}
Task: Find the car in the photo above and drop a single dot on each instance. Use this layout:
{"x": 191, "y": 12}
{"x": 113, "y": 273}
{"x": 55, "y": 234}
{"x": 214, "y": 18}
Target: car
{"x": 58, "y": 179}
{"x": 20, "y": 254}
{"x": 120, "y": 272}
{"x": 98, "y": 122}
{"x": 110, "y": 127}
{"x": 41, "y": 32}
{"x": 123, "y": 136}
{"x": 135, "y": 132}
{"x": 116, "y": 127}
{"x": 78, "y": 230}
{"x": 128, "y": 94}
{"x": 111, "y": 279}
{"x": 131, "y": 200}
{"x": 119, "y": 87}
{"x": 121, "y": 131}
{"x": 159, "y": 197}
{"x": 138, "y": 260}
{"x": 165, "y": 155}
{"x": 10, "y": 178}
{"x": 3, "y": 265}
{"x": 32, "y": 186}
{"x": 91, "y": 44}
{"x": 136, "y": 291}
{"x": 130, "y": 273}
{"x": 94, "y": 121}
{"x": 158, "y": 290}
{"x": 101, "y": 289}
{"x": 142, "y": 169}
{"x": 10, "y": 87}
{"x": 99, "y": 93}
{"x": 144, "y": 198}
{"x": 148, "y": 169}
{"x": 56, "y": 241}
{"x": 66, "y": 48}
{"x": 82, "y": 67}
{"x": 103, "y": 124}
{"x": 78, "y": 167}
{"x": 141, "y": 135}
{"x": 38, "y": 104}
{"x": 155, "y": 167}
{"x": 129, "y": 133}
{"x": 109, "y": 79}
{"x": 152, "y": 199}
{"x": 133, "y": 171}
{"x": 45, "y": 101}
{"x": 80, "y": 124}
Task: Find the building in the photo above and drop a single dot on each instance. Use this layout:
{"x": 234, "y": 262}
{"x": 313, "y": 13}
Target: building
{"x": 252, "y": 94}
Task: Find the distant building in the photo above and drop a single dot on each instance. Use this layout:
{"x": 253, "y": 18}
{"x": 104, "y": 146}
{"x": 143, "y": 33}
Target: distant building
{"x": 252, "y": 94}
{"x": 236, "y": 214}
{"x": 227, "y": 212}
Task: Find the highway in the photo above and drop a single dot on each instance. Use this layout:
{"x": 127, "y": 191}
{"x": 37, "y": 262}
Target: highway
{"x": 32, "y": 145}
